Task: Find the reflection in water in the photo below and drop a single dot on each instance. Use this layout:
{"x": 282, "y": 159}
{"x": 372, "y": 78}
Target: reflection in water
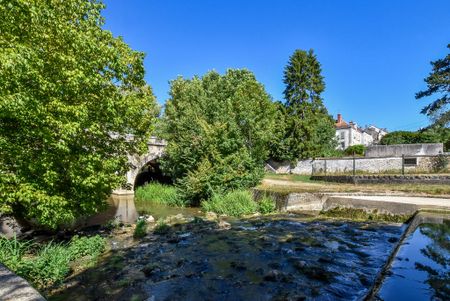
{"x": 120, "y": 207}
{"x": 421, "y": 269}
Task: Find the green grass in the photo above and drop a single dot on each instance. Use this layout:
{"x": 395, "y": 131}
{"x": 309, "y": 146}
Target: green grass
{"x": 141, "y": 229}
{"x": 160, "y": 194}
{"x": 266, "y": 205}
{"x": 48, "y": 264}
{"x": 289, "y": 177}
{"x": 236, "y": 203}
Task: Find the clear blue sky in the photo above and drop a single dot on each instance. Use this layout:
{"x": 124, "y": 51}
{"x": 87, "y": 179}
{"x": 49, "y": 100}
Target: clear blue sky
{"x": 374, "y": 54}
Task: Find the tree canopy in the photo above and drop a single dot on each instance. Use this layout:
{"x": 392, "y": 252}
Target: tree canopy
{"x": 428, "y": 135}
{"x": 70, "y": 95}
{"x": 438, "y": 83}
{"x": 309, "y": 129}
{"x": 218, "y": 129}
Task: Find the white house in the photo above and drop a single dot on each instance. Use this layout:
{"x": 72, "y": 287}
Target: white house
{"x": 348, "y": 134}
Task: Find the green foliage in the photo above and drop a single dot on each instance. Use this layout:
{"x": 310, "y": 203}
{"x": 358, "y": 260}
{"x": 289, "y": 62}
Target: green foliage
{"x": 86, "y": 246}
{"x": 357, "y": 149}
{"x": 50, "y": 263}
{"x": 160, "y": 194}
{"x": 70, "y": 93}
{"x": 141, "y": 229}
{"x": 218, "y": 129}
{"x": 266, "y": 205}
{"x": 434, "y": 134}
{"x": 161, "y": 227}
{"x": 12, "y": 252}
{"x": 235, "y": 203}
{"x": 438, "y": 83}
{"x": 308, "y": 128}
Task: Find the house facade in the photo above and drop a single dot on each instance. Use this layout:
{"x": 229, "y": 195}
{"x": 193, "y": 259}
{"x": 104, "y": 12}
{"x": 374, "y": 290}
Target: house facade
{"x": 348, "y": 134}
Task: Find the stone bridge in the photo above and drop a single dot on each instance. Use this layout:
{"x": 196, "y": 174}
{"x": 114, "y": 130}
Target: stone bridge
{"x": 144, "y": 167}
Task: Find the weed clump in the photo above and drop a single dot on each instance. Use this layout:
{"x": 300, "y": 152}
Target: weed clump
{"x": 236, "y": 203}
{"x": 141, "y": 229}
{"x": 160, "y": 194}
{"x": 48, "y": 264}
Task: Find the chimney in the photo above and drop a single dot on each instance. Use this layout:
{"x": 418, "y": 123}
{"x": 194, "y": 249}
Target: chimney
{"x": 339, "y": 118}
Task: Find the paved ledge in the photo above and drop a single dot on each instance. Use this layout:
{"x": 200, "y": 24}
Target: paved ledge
{"x": 398, "y": 205}
{"x": 15, "y": 288}
{"x": 387, "y": 204}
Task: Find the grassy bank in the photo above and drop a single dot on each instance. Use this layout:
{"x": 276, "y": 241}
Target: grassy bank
{"x": 287, "y": 183}
{"x": 44, "y": 265}
{"x": 160, "y": 194}
{"x": 238, "y": 203}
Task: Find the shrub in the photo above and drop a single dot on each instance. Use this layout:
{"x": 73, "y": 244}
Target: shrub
{"x": 45, "y": 265}
{"x": 141, "y": 229}
{"x": 160, "y": 194}
{"x": 266, "y": 205}
{"x": 161, "y": 227}
{"x": 357, "y": 149}
{"x": 235, "y": 203}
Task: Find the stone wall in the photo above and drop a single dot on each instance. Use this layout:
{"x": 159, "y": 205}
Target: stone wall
{"x": 386, "y": 179}
{"x": 345, "y": 165}
{"x": 397, "y": 150}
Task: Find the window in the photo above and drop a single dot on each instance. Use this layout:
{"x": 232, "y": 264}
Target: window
{"x": 410, "y": 161}
{"x": 342, "y": 135}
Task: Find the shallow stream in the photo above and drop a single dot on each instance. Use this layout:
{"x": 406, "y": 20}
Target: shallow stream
{"x": 277, "y": 257}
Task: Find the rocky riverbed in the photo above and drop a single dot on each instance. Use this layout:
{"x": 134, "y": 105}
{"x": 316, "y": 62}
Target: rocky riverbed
{"x": 280, "y": 257}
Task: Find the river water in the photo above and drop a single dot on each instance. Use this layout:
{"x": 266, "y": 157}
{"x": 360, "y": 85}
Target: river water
{"x": 277, "y": 257}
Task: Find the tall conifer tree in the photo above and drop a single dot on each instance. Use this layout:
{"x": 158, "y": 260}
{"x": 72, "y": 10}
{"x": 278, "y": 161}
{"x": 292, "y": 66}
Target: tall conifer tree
{"x": 309, "y": 129}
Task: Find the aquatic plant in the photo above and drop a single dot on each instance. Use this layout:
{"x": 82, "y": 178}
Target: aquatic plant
{"x": 161, "y": 227}
{"x": 235, "y": 203}
{"x": 160, "y": 194}
{"x": 141, "y": 229}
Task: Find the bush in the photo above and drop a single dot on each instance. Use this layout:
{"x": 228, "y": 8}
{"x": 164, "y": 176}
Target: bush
{"x": 141, "y": 229}
{"x": 357, "y": 149}
{"x": 160, "y": 194}
{"x": 45, "y": 265}
{"x": 266, "y": 205}
{"x": 235, "y": 203}
{"x": 161, "y": 227}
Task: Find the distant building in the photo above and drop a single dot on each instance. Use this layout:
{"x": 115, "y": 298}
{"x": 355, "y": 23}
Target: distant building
{"x": 348, "y": 134}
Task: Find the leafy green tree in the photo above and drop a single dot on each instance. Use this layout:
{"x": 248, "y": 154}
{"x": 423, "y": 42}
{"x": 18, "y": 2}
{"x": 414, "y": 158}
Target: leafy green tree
{"x": 218, "y": 129}
{"x": 438, "y": 83}
{"x": 70, "y": 93}
{"x": 309, "y": 129}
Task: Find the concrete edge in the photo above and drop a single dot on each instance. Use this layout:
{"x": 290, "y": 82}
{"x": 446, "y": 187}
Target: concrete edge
{"x": 15, "y": 288}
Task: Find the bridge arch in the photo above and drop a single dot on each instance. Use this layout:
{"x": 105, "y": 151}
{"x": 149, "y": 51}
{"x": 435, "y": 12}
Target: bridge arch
{"x": 144, "y": 165}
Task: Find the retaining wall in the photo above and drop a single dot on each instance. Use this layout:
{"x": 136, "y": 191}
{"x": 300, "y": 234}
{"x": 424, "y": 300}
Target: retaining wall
{"x": 386, "y": 179}
{"x": 397, "y": 150}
